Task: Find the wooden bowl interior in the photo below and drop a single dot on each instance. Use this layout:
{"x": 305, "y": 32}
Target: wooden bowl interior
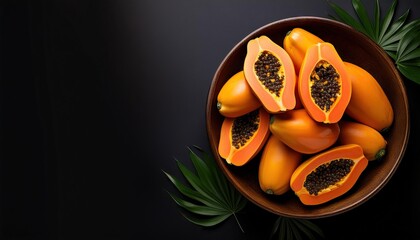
{"x": 353, "y": 47}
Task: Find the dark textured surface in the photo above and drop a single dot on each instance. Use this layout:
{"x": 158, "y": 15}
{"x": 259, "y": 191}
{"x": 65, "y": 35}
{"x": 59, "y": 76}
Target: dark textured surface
{"x": 98, "y": 97}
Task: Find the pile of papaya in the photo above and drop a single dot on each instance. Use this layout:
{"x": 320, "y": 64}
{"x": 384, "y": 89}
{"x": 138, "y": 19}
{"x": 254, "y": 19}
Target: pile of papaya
{"x": 314, "y": 120}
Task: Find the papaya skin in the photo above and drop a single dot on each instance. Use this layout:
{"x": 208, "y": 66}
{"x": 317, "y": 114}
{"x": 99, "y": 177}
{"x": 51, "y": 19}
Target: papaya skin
{"x": 277, "y": 164}
{"x": 371, "y": 141}
{"x": 286, "y": 99}
{"x": 368, "y": 104}
{"x": 324, "y": 52}
{"x": 239, "y": 157}
{"x": 296, "y": 43}
{"x": 301, "y": 133}
{"x": 299, "y": 104}
{"x": 349, "y": 151}
{"x": 236, "y": 97}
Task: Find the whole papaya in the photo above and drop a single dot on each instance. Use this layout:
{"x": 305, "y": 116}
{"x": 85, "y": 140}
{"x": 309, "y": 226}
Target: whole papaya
{"x": 371, "y": 141}
{"x": 296, "y": 43}
{"x": 368, "y": 103}
{"x": 236, "y": 97}
{"x": 277, "y": 164}
{"x": 301, "y": 133}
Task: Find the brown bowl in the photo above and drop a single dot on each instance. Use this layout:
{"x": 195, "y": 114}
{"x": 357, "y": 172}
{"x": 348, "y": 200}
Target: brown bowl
{"x": 353, "y": 47}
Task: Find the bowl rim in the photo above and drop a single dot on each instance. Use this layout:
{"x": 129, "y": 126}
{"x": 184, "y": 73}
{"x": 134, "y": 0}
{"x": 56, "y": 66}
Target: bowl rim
{"x": 399, "y": 81}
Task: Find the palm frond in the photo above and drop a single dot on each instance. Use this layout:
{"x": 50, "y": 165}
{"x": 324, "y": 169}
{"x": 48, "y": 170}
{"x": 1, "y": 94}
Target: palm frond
{"x": 208, "y": 197}
{"x": 398, "y": 38}
{"x": 285, "y": 228}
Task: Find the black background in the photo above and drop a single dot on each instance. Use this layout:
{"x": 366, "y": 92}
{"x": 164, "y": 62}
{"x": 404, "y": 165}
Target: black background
{"x": 98, "y": 97}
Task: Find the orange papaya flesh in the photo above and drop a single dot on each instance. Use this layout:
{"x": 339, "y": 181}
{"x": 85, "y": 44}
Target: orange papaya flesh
{"x": 324, "y": 86}
{"x": 270, "y": 72}
{"x": 371, "y": 141}
{"x": 243, "y": 137}
{"x": 236, "y": 98}
{"x": 303, "y": 134}
{"x": 277, "y": 164}
{"x": 368, "y": 104}
{"x": 296, "y": 43}
{"x": 328, "y": 175}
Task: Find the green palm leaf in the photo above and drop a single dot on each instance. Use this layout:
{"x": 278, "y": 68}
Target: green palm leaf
{"x": 364, "y": 18}
{"x": 346, "y": 18}
{"x": 295, "y": 229}
{"x": 209, "y": 198}
{"x": 399, "y": 39}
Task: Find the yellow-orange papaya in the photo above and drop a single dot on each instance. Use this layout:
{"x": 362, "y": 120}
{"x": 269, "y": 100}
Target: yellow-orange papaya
{"x": 236, "y": 97}
{"x": 277, "y": 164}
{"x": 303, "y": 134}
{"x": 324, "y": 86}
{"x": 271, "y": 74}
{"x": 243, "y": 137}
{"x": 296, "y": 43}
{"x": 371, "y": 141}
{"x": 368, "y": 104}
{"x": 328, "y": 175}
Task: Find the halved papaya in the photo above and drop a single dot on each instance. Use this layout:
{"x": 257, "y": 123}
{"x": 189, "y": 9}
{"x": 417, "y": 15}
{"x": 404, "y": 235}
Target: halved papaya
{"x": 371, "y": 141}
{"x": 368, "y": 104}
{"x": 324, "y": 85}
{"x": 243, "y": 137}
{"x": 296, "y": 43}
{"x": 270, "y": 72}
{"x": 303, "y": 134}
{"x": 277, "y": 164}
{"x": 329, "y": 174}
{"x": 236, "y": 97}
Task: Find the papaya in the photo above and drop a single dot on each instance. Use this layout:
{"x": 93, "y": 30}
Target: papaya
{"x": 236, "y": 98}
{"x": 296, "y": 43}
{"x": 270, "y": 73}
{"x": 324, "y": 86}
{"x": 368, "y": 104}
{"x": 371, "y": 141}
{"x": 328, "y": 175}
{"x": 298, "y": 101}
{"x": 301, "y": 133}
{"x": 242, "y": 138}
{"x": 277, "y": 164}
